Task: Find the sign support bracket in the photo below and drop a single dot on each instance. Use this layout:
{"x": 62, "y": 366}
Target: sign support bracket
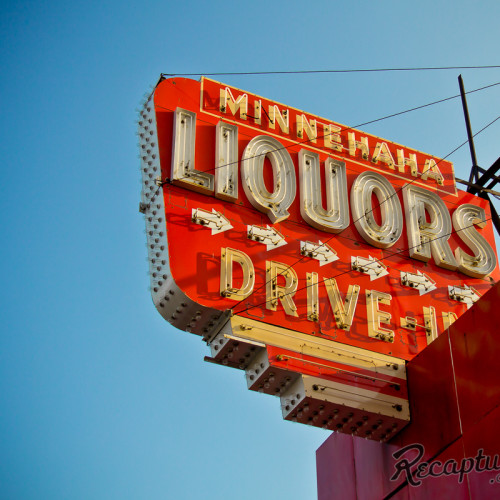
{"x": 476, "y": 184}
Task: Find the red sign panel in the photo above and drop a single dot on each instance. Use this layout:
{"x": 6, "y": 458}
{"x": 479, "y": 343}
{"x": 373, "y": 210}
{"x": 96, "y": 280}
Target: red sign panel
{"x": 314, "y": 256}
{"x": 317, "y": 270}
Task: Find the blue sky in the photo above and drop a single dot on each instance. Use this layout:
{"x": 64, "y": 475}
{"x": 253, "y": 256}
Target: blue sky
{"x": 99, "y": 396}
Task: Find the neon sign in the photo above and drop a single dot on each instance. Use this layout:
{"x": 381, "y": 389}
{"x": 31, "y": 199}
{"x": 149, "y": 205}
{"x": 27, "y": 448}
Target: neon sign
{"x": 328, "y": 255}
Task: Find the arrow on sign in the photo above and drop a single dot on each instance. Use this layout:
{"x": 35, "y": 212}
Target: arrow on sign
{"x": 266, "y": 235}
{"x": 418, "y": 281}
{"x": 213, "y": 220}
{"x": 319, "y": 251}
{"x": 465, "y": 294}
{"x": 370, "y": 266}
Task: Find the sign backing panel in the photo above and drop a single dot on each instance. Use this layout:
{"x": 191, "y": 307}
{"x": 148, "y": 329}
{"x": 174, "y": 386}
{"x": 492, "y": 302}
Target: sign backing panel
{"x": 420, "y": 296}
{"x": 315, "y": 257}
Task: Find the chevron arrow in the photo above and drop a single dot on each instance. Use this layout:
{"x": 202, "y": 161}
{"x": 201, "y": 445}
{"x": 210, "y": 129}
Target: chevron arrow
{"x": 319, "y": 251}
{"x": 266, "y": 235}
{"x": 374, "y": 268}
{"x": 466, "y": 295}
{"x": 418, "y": 281}
{"x": 213, "y": 220}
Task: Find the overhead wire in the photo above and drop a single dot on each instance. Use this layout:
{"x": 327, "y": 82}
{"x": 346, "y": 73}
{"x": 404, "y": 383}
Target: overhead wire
{"x": 340, "y": 235}
{"x": 349, "y": 270}
{"x": 465, "y": 142}
{"x": 344, "y": 129}
{"x": 323, "y": 71}
{"x": 373, "y": 208}
{"x": 353, "y": 127}
{"x": 360, "y": 125}
{"x": 425, "y": 105}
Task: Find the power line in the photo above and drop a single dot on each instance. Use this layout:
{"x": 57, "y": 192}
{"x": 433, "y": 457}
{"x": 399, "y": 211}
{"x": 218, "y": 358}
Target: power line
{"x": 425, "y": 105}
{"x": 465, "y": 142}
{"x": 395, "y": 193}
{"x": 351, "y": 127}
{"x": 366, "y": 123}
{"x": 377, "y": 206}
{"x": 322, "y": 71}
{"x": 349, "y": 270}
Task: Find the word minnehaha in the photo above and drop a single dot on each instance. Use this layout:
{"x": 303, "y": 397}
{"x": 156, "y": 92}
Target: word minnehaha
{"x": 429, "y": 224}
{"x": 331, "y": 137}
